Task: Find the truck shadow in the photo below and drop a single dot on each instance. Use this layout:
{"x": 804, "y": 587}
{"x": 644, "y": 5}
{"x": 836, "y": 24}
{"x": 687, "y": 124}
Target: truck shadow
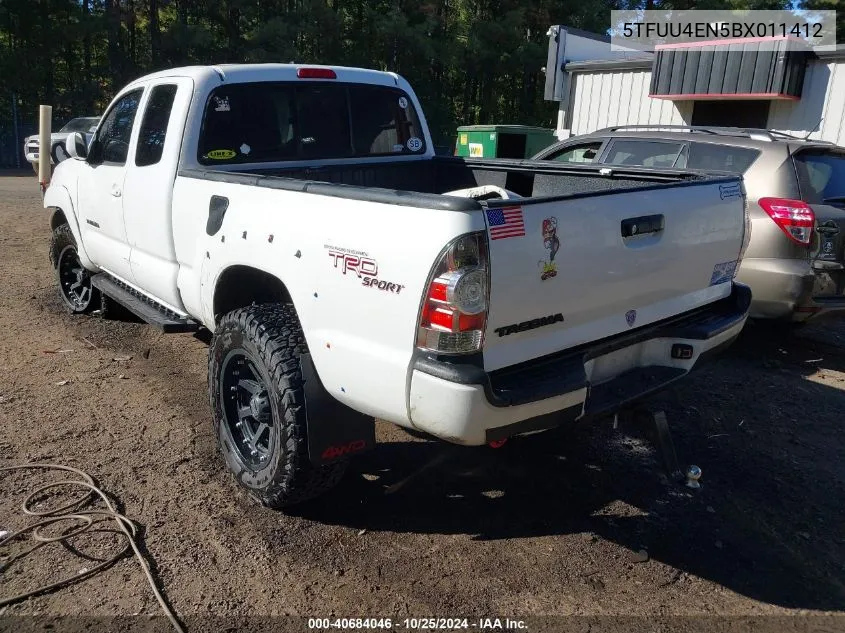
{"x": 764, "y": 524}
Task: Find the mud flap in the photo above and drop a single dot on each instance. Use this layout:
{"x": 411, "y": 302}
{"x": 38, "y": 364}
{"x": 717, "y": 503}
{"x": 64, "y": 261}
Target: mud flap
{"x": 334, "y": 430}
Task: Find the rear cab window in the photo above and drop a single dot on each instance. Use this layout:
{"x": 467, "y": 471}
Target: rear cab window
{"x": 284, "y": 121}
{"x": 821, "y": 176}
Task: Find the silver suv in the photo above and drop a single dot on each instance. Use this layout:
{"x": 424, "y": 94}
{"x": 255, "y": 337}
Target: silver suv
{"x": 796, "y": 197}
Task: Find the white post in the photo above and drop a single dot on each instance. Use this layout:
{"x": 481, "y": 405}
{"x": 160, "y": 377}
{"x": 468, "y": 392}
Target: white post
{"x": 44, "y": 125}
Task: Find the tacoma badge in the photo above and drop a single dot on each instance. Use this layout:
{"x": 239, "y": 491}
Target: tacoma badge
{"x": 529, "y": 325}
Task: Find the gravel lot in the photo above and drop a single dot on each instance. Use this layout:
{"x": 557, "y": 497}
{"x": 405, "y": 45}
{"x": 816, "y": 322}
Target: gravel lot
{"x": 549, "y": 525}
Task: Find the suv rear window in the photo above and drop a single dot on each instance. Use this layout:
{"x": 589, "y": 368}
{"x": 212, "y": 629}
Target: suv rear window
{"x": 821, "y": 175}
{"x": 266, "y": 122}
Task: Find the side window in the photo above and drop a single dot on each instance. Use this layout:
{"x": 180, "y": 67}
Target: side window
{"x": 116, "y": 130}
{"x": 643, "y": 153}
{"x": 720, "y": 157}
{"x": 154, "y": 125}
{"x": 585, "y": 153}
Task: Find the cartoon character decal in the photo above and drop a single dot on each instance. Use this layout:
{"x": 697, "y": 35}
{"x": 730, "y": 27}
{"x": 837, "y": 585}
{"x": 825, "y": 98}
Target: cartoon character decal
{"x": 552, "y": 244}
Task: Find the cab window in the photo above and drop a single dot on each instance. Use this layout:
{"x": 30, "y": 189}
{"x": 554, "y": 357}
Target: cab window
{"x": 112, "y": 144}
{"x": 265, "y": 122}
{"x": 154, "y": 125}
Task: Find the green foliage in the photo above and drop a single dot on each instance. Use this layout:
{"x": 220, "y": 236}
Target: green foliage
{"x": 471, "y": 61}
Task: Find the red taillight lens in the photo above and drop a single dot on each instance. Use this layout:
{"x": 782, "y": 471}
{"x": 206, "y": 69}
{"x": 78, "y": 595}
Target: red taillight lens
{"x": 316, "y": 73}
{"x": 794, "y": 217}
{"x": 454, "y": 310}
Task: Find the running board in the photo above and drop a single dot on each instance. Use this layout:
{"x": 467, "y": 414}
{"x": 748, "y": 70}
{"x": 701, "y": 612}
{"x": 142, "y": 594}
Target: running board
{"x": 142, "y": 306}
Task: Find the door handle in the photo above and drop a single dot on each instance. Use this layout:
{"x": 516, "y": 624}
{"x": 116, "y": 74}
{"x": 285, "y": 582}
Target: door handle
{"x": 642, "y": 225}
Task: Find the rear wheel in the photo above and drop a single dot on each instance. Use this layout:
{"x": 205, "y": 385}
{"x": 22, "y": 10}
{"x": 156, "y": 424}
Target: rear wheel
{"x": 74, "y": 280}
{"x": 258, "y": 403}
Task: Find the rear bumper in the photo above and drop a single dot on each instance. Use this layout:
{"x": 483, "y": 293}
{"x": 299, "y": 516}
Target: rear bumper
{"x": 792, "y": 289}
{"x": 780, "y": 286}
{"x": 462, "y": 403}
{"x": 828, "y": 294}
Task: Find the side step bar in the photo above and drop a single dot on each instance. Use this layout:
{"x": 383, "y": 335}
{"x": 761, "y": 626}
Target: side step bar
{"x": 143, "y": 307}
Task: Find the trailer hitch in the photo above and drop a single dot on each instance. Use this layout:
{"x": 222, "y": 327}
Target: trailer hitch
{"x": 655, "y": 420}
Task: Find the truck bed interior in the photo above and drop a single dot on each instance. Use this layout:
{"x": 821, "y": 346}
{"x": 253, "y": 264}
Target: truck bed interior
{"x": 397, "y": 182}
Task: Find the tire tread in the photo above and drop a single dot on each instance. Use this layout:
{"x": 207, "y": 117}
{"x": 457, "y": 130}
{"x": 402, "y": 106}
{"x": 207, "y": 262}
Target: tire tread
{"x": 274, "y": 329}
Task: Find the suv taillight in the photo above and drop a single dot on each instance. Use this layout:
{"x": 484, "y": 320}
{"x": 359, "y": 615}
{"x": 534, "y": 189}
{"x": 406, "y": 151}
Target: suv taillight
{"x": 794, "y": 217}
{"x": 454, "y": 309}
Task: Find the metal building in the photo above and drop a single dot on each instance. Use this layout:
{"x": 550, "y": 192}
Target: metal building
{"x": 724, "y": 84}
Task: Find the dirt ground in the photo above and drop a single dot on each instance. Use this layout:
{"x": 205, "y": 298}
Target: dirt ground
{"x": 549, "y": 525}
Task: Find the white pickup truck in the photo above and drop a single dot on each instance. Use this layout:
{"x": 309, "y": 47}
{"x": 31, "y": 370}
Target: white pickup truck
{"x": 299, "y": 213}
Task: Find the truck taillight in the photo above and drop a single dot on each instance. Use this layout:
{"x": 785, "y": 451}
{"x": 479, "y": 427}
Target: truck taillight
{"x": 794, "y": 217}
{"x": 454, "y": 309}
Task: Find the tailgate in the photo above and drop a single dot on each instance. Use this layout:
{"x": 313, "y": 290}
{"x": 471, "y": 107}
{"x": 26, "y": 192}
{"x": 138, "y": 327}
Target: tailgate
{"x": 828, "y": 254}
{"x": 572, "y": 271}
{"x": 830, "y": 228}
{"x": 821, "y": 179}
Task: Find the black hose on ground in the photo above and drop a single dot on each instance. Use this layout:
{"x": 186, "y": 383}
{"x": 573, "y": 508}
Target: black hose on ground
{"x": 76, "y": 511}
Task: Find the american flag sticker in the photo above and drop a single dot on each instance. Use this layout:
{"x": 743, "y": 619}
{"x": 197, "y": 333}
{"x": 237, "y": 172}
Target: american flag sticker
{"x": 505, "y": 222}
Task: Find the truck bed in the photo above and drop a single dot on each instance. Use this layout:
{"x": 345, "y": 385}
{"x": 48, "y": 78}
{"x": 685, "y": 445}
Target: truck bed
{"x": 392, "y": 182}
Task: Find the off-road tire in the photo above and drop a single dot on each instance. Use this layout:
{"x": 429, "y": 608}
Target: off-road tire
{"x": 62, "y": 239}
{"x": 270, "y": 334}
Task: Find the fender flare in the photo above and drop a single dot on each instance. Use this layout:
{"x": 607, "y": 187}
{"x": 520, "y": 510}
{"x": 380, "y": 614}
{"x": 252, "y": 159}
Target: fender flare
{"x": 58, "y": 197}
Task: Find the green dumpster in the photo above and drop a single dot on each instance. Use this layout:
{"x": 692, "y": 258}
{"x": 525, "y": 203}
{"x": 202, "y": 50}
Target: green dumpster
{"x": 502, "y": 141}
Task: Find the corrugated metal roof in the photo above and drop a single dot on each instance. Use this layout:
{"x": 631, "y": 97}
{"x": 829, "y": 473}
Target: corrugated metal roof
{"x": 634, "y": 61}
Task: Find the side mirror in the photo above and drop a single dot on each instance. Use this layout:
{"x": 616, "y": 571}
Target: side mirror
{"x": 76, "y": 147}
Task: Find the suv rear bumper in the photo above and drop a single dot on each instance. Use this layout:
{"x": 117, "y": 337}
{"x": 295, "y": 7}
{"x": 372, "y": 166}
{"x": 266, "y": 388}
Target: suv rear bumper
{"x": 790, "y": 289}
{"x": 828, "y": 294}
{"x": 462, "y": 403}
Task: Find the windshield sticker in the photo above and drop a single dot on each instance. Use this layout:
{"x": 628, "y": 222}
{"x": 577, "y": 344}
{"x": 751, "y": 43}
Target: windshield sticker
{"x": 730, "y": 191}
{"x": 221, "y": 104}
{"x": 245, "y": 149}
{"x": 221, "y": 154}
{"x": 551, "y": 243}
{"x": 398, "y": 147}
{"x": 403, "y": 102}
{"x": 414, "y": 144}
{"x": 723, "y": 272}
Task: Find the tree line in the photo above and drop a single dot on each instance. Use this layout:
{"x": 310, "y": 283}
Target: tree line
{"x": 470, "y": 61}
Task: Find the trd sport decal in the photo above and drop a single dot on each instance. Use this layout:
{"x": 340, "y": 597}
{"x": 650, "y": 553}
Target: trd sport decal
{"x": 365, "y": 267}
{"x": 552, "y": 244}
{"x": 533, "y": 324}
